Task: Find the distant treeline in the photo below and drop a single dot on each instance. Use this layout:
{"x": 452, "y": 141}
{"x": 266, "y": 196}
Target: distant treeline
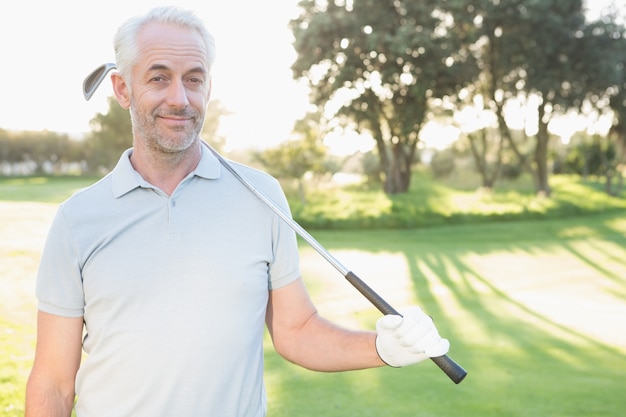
{"x": 42, "y": 152}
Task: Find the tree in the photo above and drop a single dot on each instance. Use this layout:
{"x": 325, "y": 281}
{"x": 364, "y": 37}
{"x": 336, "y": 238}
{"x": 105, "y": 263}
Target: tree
{"x": 551, "y": 32}
{"x": 605, "y": 65}
{"x": 541, "y": 53}
{"x": 498, "y": 50}
{"x": 390, "y": 64}
{"x": 44, "y": 152}
{"x": 111, "y": 135}
{"x": 301, "y": 154}
{"x": 528, "y": 52}
{"x": 618, "y": 132}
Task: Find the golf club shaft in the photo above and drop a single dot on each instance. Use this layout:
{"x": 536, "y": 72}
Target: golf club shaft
{"x": 454, "y": 371}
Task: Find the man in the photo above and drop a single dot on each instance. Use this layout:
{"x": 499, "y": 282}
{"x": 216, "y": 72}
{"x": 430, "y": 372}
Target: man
{"x": 165, "y": 271}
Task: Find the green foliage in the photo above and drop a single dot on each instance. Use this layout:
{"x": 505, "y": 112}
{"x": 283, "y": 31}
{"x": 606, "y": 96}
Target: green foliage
{"x": 370, "y": 166}
{"x": 42, "y": 152}
{"x": 510, "y": 170}
{"x": 431, "y": 203}
{"x": 292, "y": 159}
{"x": 390, "y": 62}
{"x": 412, "y": 62}
{"x": 443, "y": 163}
{"x": 110, "y": 136}
{"x": 301, "y": 155}
{"x": 470, "y": 277}
{"x": 590, "y": 158}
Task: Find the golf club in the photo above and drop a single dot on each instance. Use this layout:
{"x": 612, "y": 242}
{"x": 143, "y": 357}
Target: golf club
{"x": 93, "y": 81}
{"x": 454, "y": 371}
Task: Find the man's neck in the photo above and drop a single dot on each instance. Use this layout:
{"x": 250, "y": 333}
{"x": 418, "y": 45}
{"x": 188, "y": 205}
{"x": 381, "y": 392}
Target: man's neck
{"x": 165, "y": 170}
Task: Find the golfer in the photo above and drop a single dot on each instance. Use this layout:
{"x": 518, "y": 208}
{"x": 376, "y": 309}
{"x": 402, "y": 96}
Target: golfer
{"x": 165, "y": 272}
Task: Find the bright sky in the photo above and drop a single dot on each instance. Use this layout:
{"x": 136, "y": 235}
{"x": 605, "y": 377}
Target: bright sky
{"x": 48, "y": 47}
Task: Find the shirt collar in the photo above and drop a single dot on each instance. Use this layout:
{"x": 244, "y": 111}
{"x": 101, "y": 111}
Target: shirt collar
{"x": 125, "y": 178}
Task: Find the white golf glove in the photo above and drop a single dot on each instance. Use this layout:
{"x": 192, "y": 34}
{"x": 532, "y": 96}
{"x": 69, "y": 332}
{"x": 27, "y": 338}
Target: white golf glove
{"x": 408, "y": 339}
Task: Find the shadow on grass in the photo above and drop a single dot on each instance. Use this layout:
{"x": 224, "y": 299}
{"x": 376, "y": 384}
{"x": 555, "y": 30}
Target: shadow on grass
{"x": 521, "y": 360}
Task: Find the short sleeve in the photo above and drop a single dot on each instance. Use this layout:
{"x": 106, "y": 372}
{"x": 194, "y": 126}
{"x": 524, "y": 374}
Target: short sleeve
{"x": 59, "y": 287}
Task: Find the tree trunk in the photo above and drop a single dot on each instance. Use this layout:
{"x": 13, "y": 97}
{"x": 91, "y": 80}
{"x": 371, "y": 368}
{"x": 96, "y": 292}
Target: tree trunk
{"x": 505, "y": 132}
{"x": 541, "y": 154}
{"x": 617, "y": 133}
{"x": 396, "y": 161}
{"x": 480, "y": 154}
{"x": 398, "y": 175}
{"x": 606, "y": 165}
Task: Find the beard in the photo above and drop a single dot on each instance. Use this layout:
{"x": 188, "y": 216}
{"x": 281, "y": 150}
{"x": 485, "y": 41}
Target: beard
{"x": 166, "y": 139}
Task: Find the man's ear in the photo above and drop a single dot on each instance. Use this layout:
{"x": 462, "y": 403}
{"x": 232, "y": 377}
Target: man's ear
{"x": 121, "y": 90}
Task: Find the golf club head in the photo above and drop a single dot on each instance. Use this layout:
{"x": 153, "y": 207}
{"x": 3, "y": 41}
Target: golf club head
{"x": 93, "y": 80}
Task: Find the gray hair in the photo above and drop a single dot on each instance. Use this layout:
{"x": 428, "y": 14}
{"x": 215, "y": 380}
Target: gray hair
{"x": 125, "y": 40}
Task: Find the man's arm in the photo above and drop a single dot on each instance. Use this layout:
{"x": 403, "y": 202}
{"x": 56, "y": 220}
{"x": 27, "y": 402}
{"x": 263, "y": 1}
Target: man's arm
{"x": 303, "y": 337}
{"x": 50, "y": 387}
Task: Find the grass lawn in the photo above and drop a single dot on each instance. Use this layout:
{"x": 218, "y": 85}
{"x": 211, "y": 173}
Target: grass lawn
{"x": 22, "y": 231}
{"x": 41, "y": 189}
{"x": 534, "y": 311}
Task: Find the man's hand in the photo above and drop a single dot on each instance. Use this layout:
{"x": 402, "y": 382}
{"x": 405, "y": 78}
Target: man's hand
{"x": 408, "y": 339}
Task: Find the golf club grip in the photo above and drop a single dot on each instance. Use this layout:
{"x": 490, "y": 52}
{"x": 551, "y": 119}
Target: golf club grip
{"x": 454, "y": 371}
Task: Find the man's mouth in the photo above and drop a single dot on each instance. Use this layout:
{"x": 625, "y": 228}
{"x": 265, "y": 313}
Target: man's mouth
{"x": 175, "y": 121}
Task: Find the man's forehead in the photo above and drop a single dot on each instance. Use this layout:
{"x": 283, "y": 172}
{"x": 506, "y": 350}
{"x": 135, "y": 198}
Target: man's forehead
{"x": 162, "y": 44}
{"x": 163, "y": 36}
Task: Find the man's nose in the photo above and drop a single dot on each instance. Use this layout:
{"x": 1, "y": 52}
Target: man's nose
{"x": 177, "y": 95}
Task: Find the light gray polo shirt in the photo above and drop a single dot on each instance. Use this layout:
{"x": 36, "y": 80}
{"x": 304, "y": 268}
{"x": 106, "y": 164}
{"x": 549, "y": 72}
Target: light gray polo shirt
{"x": 173, "y": 290}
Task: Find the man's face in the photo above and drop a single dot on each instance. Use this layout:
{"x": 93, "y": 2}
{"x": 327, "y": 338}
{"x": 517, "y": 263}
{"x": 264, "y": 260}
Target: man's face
{"x": 170, "y": 88}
